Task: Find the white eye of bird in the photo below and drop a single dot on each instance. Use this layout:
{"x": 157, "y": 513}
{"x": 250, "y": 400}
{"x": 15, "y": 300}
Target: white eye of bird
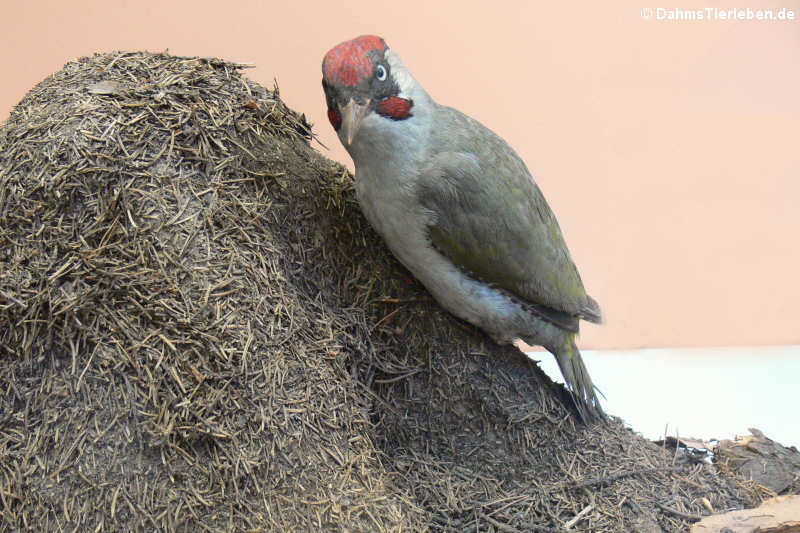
{"x": 380, "y": 73}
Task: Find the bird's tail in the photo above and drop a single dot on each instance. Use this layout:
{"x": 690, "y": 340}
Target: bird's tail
{"x": 579, "y": 383}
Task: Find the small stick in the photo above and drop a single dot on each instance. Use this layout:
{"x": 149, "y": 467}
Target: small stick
{"x": 620, "y": 475}
{"x": 578, "y": 516}
{"x": 499, "y": 525}
{"x": 679, "y": 514}
{"x": 510, "y": 529}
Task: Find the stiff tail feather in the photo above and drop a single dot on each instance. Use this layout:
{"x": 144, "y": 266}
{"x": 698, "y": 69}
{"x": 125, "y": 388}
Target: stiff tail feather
{"x": 579, "y": 383}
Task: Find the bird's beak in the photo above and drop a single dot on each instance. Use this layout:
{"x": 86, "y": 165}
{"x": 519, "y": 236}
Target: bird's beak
{"x": 352, "y": 115}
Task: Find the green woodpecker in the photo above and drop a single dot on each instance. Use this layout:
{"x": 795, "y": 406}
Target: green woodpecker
{"x": 459, "y": 208}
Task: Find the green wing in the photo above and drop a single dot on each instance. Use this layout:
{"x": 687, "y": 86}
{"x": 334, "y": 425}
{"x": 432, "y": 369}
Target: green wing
{"x": 489, "y": 217}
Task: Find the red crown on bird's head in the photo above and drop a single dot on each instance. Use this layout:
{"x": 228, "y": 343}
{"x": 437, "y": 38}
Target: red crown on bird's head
{"x": 347, "y": 64}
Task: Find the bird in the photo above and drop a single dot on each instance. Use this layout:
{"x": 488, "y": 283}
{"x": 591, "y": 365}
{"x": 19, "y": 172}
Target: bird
{"x": 459, "y": 209}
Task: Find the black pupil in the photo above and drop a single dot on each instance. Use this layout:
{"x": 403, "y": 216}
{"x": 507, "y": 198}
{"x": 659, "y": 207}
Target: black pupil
{"x": 381, "y": 72}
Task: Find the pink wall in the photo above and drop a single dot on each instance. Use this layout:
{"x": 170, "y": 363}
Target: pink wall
{"x": 668, "y": 150}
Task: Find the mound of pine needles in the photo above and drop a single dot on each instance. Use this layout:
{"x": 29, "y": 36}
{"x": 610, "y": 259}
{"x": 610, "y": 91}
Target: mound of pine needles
{"x": 200, "y": 332}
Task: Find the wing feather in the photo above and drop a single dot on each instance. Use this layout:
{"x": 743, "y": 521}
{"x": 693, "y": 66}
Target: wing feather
{"x": 489, "y": 217}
